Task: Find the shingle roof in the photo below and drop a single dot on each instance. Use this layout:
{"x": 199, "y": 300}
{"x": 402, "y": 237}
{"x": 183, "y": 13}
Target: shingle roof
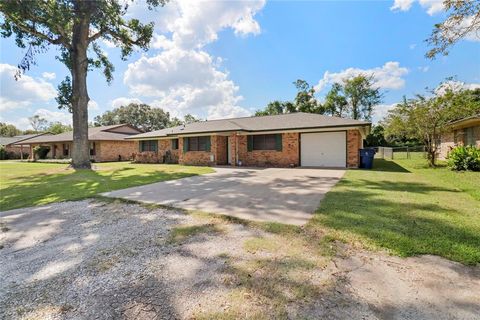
{"x": 17, "y": 139}
{"x": 94, "y": 134}
{"x": 290, "y": 121}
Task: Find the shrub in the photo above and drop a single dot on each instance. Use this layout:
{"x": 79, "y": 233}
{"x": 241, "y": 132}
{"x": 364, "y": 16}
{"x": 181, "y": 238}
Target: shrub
{"x": 3, "y": 153}
{"x": 464, "y": 158}
{"x": 41, "y": 152}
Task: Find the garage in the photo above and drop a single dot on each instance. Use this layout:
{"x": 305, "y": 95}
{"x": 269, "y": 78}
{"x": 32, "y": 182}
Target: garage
{"x": 323, "y": 149}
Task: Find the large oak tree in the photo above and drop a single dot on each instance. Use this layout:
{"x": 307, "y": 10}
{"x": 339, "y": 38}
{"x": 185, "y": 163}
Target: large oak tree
{"x": 75, "y": 27}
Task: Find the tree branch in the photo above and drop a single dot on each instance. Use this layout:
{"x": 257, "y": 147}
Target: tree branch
{"x": 31, "y": 30}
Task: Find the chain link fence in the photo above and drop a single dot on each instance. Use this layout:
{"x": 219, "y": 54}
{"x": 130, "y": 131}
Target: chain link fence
{"x": 398, "y": 153}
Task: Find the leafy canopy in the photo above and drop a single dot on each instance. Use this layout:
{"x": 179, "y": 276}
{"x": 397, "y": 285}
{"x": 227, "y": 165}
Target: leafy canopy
{"x": 38, "y": 24}
{"x": 354, "y": 97}
{"x": 462, "y": 20}
{"x": 9, "y": 130}
{"x": 141, "y": 116}
{"x": 426, "y": 118}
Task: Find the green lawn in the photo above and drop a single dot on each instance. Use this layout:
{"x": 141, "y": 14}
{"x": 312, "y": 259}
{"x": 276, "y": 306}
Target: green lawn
{"x": 27, "y": 184}
{"x": 407, "y": 208}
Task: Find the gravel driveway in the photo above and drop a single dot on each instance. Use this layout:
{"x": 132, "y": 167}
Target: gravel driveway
{"x": 94, "y": 260}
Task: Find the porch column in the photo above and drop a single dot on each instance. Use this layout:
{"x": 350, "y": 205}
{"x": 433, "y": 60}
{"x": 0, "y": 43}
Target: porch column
{"x": 21, "y": 152}
{"x": 234, "y": 149}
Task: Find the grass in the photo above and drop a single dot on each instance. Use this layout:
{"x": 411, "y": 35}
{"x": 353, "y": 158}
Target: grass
{"x": 407, "y": 208}
{"x": 181, "y": 233}
{"x": 29, "y": 184}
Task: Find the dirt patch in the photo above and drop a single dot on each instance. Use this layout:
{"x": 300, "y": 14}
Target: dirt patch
{"x": 95, "y": 260}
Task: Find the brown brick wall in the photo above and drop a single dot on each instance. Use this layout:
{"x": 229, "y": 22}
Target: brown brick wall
{"x": 197, "y": 158}
{"x": 221, "y": 149}
{"x": 262, "y": 158}
{"x": 455, "y": 138}
{"x": 17, "y": 150}
{"x": 354, "y": 143}
{"x": 271, "y": 158}
{"x": 166, "y": 144}
{"x": 110, "y": 150}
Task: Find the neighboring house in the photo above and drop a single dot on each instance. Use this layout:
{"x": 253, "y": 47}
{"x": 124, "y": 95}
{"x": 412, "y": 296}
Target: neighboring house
{"x": 287, "y": 140}
{"x": 15, "y": 148}
{"x": 107, "y": 143}
{"x": 462, "y": 132}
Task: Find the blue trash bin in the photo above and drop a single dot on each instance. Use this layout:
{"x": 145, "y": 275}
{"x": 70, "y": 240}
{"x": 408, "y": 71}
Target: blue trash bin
{"x": 366, "y": 158}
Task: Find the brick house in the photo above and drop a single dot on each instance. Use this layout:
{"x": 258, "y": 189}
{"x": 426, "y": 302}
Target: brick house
{"x": 15, "y": 148}
{"x": 462, "y": 132}
{"x": 107, "y": 143}
{"x": 287, "y": 140}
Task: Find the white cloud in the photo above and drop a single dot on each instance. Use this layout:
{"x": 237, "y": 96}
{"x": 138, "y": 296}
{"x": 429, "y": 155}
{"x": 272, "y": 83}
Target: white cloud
{"x": 124, "y": 101}
{"x": 389, "y": 76}
{"x": 402, "y": 5}
{"x": 460, "y": 27}
{"x": 24, "y": 92}
{"x": 432, "y": 6}
{"x": 93, "y": 105}
{"x": 185, "y": 81}
{"x": 184, "y": 78}
{"x": 412, "y": 46}
{"x": 51, "y": 116}
{"x": 455, "y": 85}
{"x": 381, "y": 111}
{"x": 424, "y": 68}
{"x": 55, "y": 116}
{"x": 471, "y": 86}
{"x": 49, "y": 75}
{"x": 193, "y": 24}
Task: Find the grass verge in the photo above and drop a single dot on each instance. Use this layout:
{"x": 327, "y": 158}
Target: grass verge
{"x": 407, "y": 208}
{"x": 30, "y": 184}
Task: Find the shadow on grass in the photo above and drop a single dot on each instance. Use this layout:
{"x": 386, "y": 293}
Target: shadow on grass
{"x": 47, "y": 188}
{"x": 386, "y": 214}
{"x": 387, "y": 166}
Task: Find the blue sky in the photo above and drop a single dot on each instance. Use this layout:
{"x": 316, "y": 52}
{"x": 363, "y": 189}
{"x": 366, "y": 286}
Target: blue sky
{"x": 230, "y": 58}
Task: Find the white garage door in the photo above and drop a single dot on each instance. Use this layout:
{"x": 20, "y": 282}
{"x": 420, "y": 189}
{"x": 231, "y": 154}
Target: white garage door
{"x": 323, "y": 149}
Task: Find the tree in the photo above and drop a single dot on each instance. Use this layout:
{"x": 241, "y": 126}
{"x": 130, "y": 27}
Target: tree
{"x": 305, "y": 99}
{"x": 8, "y": 130}
{"x": 427, "y": 118}
{"x": 354, "y": 97}
{"x": 273, "y": 108}
{"x": 75, "y": 27}
{"x": 362, "y": 96}
{"x": 38, "y": 123}
{"x": 376, "y": 138}
{"x": 141, "y": 116}
{"x": 188, "y": 118}
{"x": 58, "y": 127}
{"x": 304, "y": 102}
{"x": 175, "y": 122}
{"x": 335, "y": 102}
{"x": 463, "y": 20}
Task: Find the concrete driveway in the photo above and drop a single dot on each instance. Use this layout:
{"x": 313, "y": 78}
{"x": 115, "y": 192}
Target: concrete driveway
{"x": 278, "y": 195}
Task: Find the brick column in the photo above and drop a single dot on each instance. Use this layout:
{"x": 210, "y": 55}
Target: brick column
{"x": 233, "y": 148}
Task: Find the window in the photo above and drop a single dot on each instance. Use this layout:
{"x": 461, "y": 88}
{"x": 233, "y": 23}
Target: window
{"x": 148, "y": 145}
{"x": 66, "y": 147}
{"x": 92, "y": 148}
{"x": 265, "y": 142}
{"x": 469, "y": 137}
{"x": 174, "y": 144}
{"x": 197, "y": 144}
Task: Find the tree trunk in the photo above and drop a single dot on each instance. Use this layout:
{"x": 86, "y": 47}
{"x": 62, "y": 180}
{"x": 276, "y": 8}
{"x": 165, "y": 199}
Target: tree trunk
{"x": 80, "y": 148}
